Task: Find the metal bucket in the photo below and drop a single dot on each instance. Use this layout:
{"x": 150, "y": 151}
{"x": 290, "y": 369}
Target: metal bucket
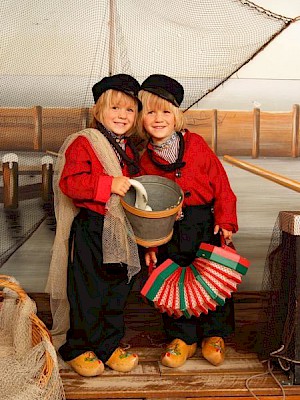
{"x": 165, "y": 197}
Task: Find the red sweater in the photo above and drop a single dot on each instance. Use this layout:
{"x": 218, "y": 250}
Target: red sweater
{"x": 203, "y": 179}
{"x": 83, "y": 178}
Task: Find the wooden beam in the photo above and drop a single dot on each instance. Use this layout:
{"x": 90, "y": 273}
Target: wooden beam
{"x": 10, "y": 184}
{"x": 214, "y": 140}
{"x": 84, "y": 117}
{"x": 53, "y": 153}
{"x": 38, "y": 122}
{"x": 280, "y": 179}
{"x": 295, "y": 131}
{"x": 15, "y": 112}
{"x": 256, "y": 133}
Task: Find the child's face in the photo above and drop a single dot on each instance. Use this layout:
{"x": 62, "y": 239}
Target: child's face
{"x": 119, "y": 117}
{"x": 159, "y": 123}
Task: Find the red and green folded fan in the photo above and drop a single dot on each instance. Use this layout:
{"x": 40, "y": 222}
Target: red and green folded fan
{"x": 199, "y": 287}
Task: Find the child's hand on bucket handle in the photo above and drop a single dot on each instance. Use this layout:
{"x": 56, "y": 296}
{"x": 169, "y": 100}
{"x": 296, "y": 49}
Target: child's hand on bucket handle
{"x": 120, "y": 185}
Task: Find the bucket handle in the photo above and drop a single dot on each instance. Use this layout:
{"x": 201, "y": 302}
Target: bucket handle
{"x": 141, "y": 199}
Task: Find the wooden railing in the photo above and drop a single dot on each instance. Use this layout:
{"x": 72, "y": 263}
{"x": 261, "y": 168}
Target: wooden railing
{"x": 248, "y": 133}
{"x": 280, "y": 179}
{"x": 254, "y": 133}
{"x": 39, "y": 128}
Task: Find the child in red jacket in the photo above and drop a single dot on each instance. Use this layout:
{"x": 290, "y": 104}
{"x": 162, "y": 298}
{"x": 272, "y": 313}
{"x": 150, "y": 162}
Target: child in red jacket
{"x": 95, "y": 256}
{"x": 209, "y": 210}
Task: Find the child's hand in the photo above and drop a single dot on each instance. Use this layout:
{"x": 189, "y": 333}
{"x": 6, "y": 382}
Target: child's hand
{"x": 150, "y": 258}
{"x": 120, "y": 185}
{"x": 227, "y": 235}
{"x": 179, "y": 215}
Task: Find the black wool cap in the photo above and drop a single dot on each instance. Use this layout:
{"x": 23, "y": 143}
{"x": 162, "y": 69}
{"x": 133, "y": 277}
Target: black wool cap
{"x": 121, "y": 82}
{"x": 165, "y": 87}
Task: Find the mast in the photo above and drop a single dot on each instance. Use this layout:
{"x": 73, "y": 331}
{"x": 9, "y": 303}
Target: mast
{"x": 112, "y": 36}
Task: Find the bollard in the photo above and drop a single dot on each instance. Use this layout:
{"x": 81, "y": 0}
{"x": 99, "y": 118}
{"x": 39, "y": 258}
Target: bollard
{"x": 10, "y": 180}
{"x": 47, "y": 175}
{"x": 256, "y": 133}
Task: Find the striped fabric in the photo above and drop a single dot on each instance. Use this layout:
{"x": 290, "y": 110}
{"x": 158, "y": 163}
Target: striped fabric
{"x": 168, "y": 150}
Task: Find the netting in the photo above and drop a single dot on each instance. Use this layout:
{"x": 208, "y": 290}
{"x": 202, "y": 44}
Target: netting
{"x": 53, "y": 52}
{"x": 281, "y": 308}
{"x": 29, "y": 366}
{"x": 52, "y": 57}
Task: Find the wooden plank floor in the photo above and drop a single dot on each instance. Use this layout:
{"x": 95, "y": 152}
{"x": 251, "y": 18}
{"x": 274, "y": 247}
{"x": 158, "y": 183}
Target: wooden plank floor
{"x": 197, "y": 379}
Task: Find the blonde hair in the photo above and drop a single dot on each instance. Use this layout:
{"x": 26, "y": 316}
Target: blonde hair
{"x": 151, "y": 101}
{"x": 106, "y": 100}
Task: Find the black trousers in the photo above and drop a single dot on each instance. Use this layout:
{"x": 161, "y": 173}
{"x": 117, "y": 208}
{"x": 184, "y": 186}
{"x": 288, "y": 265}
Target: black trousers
{"x": 197, "y": 226}
{"x": 97, "y": 292}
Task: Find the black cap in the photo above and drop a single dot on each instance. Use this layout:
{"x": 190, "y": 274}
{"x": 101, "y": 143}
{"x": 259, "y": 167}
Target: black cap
{"x": 165, "y": 87}
{"x": 121, "y": 82}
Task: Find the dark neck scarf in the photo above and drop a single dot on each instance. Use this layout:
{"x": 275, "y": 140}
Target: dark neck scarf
{"x": 132, "y": 164}
{"x": 173, "y": 166}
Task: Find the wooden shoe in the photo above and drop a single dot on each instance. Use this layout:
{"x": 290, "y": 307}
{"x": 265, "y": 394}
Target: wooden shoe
{"x": 87, "y": 364}
{"x": 122, "y": 361}
{"x": 177, "y": 353}
{"x": 213, "y": 350}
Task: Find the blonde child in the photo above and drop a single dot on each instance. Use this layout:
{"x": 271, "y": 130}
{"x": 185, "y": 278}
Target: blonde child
{"x": 209, "y": 210}
{"x": 94, "y": 166}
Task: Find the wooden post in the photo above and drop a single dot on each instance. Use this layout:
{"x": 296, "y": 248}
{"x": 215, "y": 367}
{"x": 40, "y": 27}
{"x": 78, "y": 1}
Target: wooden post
{"x": 214, "y": 140}
{"x": 295, "y": 131}
{"x": 47, "y": 175}
{"x": 38, "y": 122}
{"x": 10, "y": 181}
{"x": 84, "y": 118}
{"x": 256, "y": 132}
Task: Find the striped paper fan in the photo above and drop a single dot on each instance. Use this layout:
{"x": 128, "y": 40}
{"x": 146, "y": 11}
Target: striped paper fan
{"x": 201, "y": 286}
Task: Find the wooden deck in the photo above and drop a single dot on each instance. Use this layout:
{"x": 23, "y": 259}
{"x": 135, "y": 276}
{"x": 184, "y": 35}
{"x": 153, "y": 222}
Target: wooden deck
{"x": 197, "y": 379}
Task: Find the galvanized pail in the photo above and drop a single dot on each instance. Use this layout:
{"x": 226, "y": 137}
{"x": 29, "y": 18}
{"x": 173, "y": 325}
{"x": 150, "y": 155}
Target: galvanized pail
{"x": 165, "y": 197}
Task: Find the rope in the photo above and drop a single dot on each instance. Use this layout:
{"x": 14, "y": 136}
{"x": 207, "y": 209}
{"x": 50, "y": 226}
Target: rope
{"x": 269, "y": 371}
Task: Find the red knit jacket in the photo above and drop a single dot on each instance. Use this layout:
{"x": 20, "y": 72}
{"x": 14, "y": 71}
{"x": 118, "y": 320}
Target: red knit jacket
{"x": 83, "y": 178}
{"x": 203, "y": 179}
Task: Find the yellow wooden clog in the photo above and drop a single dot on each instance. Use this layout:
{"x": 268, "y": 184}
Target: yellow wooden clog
{"x": 87, "y": 364}
{"x": 177, "y": 353}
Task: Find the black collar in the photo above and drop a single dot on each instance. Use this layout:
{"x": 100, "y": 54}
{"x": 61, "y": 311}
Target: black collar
{"x": 133, "y": 164}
